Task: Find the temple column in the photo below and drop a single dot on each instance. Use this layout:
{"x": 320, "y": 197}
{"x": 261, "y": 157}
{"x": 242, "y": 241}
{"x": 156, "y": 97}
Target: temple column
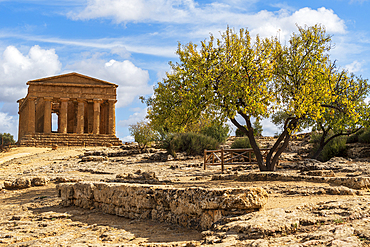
{"x": 63, "y": 115}
{"x": 96, "y": 127}
{"x": 112, "y": 117}
{"x": 47, "y": 115}
{"x": 80, "y": 116}
{"x": 31, "y": 115}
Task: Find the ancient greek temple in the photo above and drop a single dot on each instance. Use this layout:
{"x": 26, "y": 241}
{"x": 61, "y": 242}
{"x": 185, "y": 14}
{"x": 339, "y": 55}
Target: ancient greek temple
{"x": 70, "y": 109}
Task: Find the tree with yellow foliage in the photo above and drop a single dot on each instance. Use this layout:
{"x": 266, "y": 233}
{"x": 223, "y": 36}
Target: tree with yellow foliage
{"x": 234, "y": 76}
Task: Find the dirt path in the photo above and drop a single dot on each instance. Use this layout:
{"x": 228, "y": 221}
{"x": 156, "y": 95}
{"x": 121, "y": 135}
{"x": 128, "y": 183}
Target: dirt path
{"x": 18, "y": 152}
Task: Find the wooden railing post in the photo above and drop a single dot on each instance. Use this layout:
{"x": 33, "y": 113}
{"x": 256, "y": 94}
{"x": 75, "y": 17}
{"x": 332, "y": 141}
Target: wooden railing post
{"x": 250, "y": 157}
{"x": 205, "y": 159}
{"x": 222, "y": 159}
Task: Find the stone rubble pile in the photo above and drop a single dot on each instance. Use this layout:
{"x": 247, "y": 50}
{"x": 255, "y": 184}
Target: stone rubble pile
{"x": 25, "y": 182}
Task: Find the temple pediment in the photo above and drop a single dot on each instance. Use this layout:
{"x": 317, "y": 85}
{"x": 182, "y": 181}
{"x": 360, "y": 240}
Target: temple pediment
{"x": 71, "y": 79}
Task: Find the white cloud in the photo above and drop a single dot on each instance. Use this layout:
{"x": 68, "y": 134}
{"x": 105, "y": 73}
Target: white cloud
{"x": 8, "y": 124}
{"x": 283, "y": 23}
{"x": 132, "y": 80}
{"x": 269, "y": 129}
{"x": 16, "y": 69}
{"x": 138, "y": 116}
{"x": 355, "y": 66}
{"x": 121, "y": 51}
{"x": 135, "y": 10}
{"x": 127, "y": 139}
{"x": 207, "y": 17}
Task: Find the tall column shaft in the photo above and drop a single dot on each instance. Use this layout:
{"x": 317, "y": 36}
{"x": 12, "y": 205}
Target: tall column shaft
{"x": 112, "y": 117}
{"x": 47, "y": 115}
{"x": 80, "y": 117}
{"x": 96, "y": 128}
{"x": 31, "y": 115}
{"x": 63, "y": 115}
{"x": 20, "y": 123}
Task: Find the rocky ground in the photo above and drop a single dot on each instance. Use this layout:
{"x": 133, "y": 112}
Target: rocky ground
{"x": 299, "y": 211}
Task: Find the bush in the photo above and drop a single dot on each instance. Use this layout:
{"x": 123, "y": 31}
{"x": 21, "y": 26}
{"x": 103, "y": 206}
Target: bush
{"x": 216, "y": 131}
{"x": 143, "y": 134}
{"x": 355, "y": 137}
{"x": 6, "y": 139}
{"x": 191, "y": 143}
{"x": 364, "y": 137}
{"x": 335, "y": 147}
{"x": 241, "y": 143}
{"x": 240, "y": 133}
{"x": 257, "y": 130}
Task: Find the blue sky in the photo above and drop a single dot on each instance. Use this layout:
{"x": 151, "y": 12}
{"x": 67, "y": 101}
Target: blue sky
{"x": 130, "y": 42}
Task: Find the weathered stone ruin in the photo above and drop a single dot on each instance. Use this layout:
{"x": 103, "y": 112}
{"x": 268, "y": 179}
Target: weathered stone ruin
{"x": 194, "y": 207}
{"x": 85, "y": 108}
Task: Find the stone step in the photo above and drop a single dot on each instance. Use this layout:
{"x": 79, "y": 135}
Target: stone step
{"x": 69, "y": 140}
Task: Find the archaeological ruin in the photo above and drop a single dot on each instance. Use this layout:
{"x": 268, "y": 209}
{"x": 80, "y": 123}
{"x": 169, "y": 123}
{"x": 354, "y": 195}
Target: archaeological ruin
{"x": 68, "y": 110}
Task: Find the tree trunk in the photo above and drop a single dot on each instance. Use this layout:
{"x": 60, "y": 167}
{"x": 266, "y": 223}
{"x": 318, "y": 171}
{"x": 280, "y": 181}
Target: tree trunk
{"x": 252, "y": 140}
{"x": 271, "y": 160}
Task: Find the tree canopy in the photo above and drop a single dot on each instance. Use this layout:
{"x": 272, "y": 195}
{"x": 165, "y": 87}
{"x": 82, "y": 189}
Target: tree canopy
{"x": 234, "y": 76}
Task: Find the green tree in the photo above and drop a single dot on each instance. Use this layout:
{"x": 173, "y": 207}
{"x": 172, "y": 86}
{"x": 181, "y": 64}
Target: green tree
{"x": 347, "y": 113}
{"x": 218, "y": 131}
{"x": 257, "y": 128}
{"x": 6, "y": 139}
{"x": 143, "y": 133}
{"x": 234, "y": 76}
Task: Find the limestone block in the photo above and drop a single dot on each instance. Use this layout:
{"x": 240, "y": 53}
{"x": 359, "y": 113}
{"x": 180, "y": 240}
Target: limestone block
{"x": 83, "y": 190}
{"x": 196, "y": 208}
{"x": 19, "y": 183}
{"x": 66, "y": 192}
{"x": 39, "y": 181}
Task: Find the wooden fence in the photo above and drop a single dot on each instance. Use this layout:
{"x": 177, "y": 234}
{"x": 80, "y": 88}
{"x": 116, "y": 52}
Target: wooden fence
{"x": 231, "y": 157}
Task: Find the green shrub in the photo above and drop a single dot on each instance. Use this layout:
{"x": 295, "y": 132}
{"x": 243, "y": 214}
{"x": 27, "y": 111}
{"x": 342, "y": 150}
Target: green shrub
{"x": 335, "y": 147}
{"x": 355, "y": 137}
{"x": 239, "y": 133}
{"x": 143, "y": 134}
{"x": 216, "y": 131}
{"x": 191, "y": 143}
{"x": 6, "y": 139}
{"x": 365, "y": 136}
{"x": 257, "y": 130}
{"x": 241, "y": 143}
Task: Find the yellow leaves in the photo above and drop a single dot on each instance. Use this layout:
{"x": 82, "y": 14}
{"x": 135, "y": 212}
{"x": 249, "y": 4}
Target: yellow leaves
{"x": 230, "y": 74}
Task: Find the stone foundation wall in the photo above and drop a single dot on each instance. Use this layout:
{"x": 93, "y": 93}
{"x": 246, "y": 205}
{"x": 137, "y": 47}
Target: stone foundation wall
{"x": 196, "y": 208}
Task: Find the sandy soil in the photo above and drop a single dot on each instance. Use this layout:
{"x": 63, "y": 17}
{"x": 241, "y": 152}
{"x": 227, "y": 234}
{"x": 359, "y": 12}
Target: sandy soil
{"x": 33, "y": 217}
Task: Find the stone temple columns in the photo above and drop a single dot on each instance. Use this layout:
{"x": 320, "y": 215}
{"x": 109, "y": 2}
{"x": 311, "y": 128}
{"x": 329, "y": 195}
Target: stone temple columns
{"x": 80, "y": 116}
{"x": 112, "y": 117}
{"x": 100, "y": 115}
{"x": 96, "y": 126}
{"x": 63, "y": 115}
{"x": 47, "y": 115}
{"x": 31, "y": 115}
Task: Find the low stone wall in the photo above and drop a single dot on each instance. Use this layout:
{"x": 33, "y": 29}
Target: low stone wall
{"x": 350, "y": 182}
{"x": 196, "y": 208}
